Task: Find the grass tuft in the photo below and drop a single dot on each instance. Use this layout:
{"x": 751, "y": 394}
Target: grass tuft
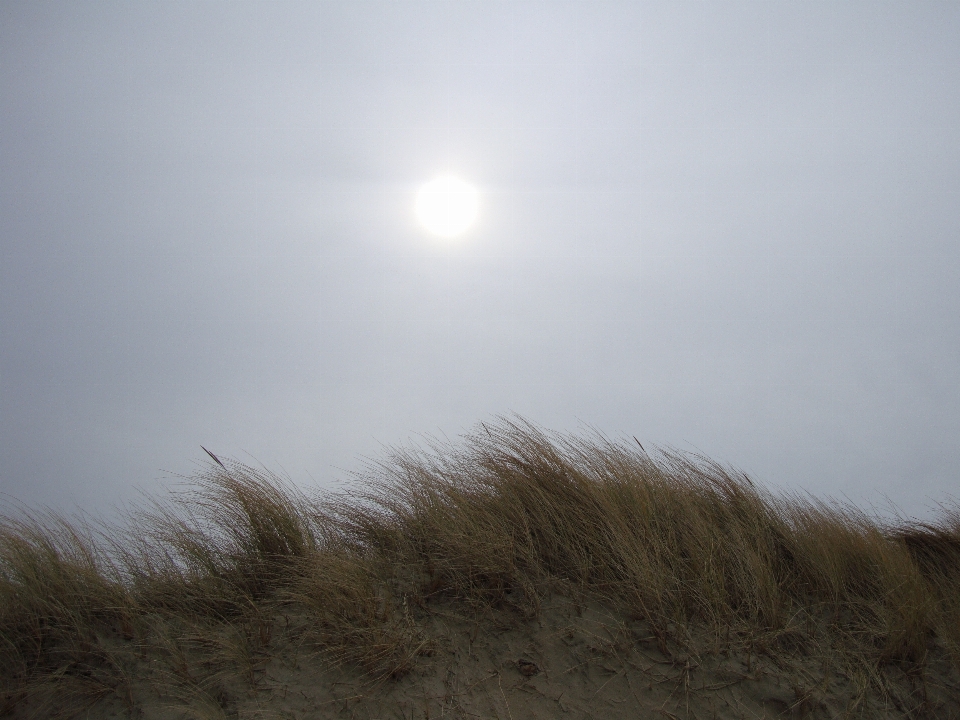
{"x": 507, "y": 518}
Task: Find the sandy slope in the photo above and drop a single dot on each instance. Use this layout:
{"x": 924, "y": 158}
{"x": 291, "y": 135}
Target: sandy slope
{"x": 570, "y": 662}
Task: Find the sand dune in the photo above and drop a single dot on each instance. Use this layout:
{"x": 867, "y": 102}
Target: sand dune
{"x": 520, "y": 575}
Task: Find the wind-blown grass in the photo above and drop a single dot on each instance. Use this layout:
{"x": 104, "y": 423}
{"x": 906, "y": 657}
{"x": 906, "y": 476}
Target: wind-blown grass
{"x": 510, "y": 516}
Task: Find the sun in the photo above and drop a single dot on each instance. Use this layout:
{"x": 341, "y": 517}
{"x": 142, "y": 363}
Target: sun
{"x": 447, "y": 206}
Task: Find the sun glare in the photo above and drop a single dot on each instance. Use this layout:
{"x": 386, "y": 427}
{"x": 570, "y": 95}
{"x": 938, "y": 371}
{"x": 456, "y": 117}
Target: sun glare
{"x": 447, "y": 206}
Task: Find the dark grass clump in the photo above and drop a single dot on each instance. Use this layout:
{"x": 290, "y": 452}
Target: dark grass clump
{"x": 510, "y": 516}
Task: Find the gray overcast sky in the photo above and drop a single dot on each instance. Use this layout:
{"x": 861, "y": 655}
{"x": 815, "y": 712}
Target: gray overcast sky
{"x": 724, "y": 226}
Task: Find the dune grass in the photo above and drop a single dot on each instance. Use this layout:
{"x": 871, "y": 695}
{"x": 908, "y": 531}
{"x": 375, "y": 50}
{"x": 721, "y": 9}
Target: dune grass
{"x": 510, "y": 516}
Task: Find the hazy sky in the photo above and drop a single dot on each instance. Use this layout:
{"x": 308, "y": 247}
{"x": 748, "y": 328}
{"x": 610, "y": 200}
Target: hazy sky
{"x": 731, "y": 227}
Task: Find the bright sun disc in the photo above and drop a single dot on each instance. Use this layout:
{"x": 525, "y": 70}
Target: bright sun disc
{"x": 447, "y": 206}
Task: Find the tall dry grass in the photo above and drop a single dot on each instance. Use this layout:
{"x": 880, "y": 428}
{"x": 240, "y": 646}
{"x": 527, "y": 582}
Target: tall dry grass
{"x": 507, "y": 517}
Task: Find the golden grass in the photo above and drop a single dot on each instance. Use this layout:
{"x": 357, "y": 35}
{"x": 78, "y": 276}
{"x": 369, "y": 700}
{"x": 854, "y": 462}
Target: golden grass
{"x": 511, "y": 516}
